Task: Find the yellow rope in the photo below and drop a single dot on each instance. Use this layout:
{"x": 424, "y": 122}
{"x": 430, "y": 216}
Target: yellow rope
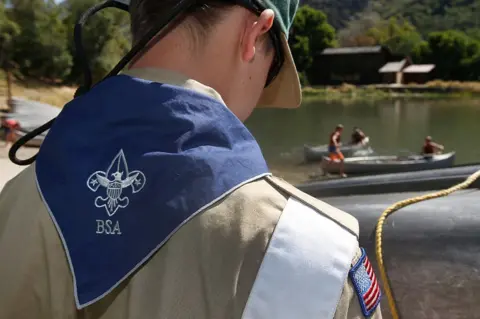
{"x": 391, "y": 210}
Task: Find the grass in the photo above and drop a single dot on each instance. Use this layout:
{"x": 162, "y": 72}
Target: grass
{"x": 344, "y": 91}
{"x": 57, "y": 95}
{"x": 433, "y": 89}
{"x": 472, "y": 87}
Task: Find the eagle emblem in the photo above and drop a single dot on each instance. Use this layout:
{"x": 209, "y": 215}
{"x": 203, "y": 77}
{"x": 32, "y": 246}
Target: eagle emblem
{"x": 115, "y": 179}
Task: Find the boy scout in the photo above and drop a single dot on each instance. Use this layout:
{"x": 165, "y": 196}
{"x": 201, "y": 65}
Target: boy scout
{"x": 150, "y": 199}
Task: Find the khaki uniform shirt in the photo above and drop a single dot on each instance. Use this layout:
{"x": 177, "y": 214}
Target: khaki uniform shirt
{"x": 216, "y": 266}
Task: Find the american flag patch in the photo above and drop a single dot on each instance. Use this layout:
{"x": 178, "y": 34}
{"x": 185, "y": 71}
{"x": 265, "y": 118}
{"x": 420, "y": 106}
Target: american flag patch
{"x": 366, "y": 284}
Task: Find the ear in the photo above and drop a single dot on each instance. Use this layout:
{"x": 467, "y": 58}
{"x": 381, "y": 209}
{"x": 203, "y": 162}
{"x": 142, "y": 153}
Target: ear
{"x": 255, "y": 30}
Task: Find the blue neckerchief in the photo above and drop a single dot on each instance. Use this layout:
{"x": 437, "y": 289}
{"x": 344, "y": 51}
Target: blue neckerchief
{"x": 127, "y": 164}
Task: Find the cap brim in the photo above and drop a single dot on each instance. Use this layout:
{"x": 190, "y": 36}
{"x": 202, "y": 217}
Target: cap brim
{"x": 285, "y": 90}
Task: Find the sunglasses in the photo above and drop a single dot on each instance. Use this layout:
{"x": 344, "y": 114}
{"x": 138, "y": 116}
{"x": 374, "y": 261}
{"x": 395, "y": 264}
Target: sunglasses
{"x": 274, "y": 33}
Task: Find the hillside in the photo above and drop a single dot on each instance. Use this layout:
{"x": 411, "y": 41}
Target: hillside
{"x": 339, "y": 12}
{"x": 425, "y": 15}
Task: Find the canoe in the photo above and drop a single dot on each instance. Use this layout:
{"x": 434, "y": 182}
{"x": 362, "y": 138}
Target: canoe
{"x": 430, "y": 248}
{"x": 316, "y": 153}
{"x": 420, "y": 181}
{"x": 389, "y": 164}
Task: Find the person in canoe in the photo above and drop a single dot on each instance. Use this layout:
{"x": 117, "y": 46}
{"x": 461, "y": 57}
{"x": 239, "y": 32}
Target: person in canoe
{"x": 358, "y": 136}
{"x": 334, "y": 148}
{"x": 430, "y": 148}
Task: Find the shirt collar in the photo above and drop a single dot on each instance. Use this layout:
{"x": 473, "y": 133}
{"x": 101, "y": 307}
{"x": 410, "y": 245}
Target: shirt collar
{"x": 172, "y": 78}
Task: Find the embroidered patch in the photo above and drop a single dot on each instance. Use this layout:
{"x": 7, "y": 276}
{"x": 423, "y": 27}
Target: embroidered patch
{"x": 121, "y": 178}
{"x": 366, "y": 285}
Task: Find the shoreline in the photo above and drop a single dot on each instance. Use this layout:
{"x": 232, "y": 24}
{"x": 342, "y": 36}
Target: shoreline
{"x": 430, "y": 90}
{"x": 58, "y": 95}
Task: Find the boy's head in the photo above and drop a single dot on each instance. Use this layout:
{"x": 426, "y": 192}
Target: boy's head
{"x": 239, "y": 48}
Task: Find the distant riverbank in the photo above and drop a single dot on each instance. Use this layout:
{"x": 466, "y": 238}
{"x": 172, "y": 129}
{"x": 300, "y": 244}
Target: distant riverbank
{"x": 35, "y": 90}
{"x": 59, "y": 95}
{"x": 434, "y": 89}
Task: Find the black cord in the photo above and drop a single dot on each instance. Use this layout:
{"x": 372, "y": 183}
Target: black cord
{"x": 169, "y": 16}
{"x": 80, "y": 53}
{"x": 12, "y": 153}
{"x": 182, "y": 6}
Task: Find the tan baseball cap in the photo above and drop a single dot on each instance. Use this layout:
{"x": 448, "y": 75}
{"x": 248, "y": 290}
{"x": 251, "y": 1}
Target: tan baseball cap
{"x": 285, "y": 90}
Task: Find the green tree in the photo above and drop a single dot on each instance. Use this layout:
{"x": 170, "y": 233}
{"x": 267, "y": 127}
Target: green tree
{"x": 399, "y": 35}
{"x": 454, "y": 54}
{"x": 421, "y": 52}
{"x": 105, "y": 38}
{"x": 474, "y": 33}
{"x": 472, "y": 67}
{"x": 310, "y": 35}
{"x": 301, "y": 54}
{"x": 40, "y": 49}
{"x": 8, "y": 30}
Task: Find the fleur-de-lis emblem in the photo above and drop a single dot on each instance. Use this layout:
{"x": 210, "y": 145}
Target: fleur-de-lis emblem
{"x": 115, "y": 179}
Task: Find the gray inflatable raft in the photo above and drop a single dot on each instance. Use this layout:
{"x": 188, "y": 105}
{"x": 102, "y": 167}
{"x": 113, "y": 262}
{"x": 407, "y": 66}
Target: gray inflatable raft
{"x": 431, "y": 249}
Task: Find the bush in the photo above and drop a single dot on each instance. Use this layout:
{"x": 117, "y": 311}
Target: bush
{"x": 303, "y": 79}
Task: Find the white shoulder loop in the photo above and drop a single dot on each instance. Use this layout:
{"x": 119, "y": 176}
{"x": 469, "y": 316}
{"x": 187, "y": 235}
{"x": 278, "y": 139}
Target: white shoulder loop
{"x": 304, "y": 269}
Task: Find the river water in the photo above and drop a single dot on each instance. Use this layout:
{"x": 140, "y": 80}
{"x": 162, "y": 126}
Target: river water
{"x": 394, "y": 127}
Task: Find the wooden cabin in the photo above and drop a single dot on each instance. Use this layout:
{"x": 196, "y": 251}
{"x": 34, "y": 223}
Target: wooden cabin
{"x": 392, "y": 72}
{"x": 418, "y": 73}
{"x": 354, "y": 65}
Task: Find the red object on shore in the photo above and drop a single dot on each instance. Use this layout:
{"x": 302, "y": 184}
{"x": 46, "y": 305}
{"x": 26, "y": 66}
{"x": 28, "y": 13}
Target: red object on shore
{"x": 12, "y": 124}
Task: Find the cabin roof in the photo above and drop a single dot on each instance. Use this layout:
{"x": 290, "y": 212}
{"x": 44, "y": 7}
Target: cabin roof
{"x": 352, "y": 50}
{"x": 419, "y": 68}
{"x": 392, "y": 67}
